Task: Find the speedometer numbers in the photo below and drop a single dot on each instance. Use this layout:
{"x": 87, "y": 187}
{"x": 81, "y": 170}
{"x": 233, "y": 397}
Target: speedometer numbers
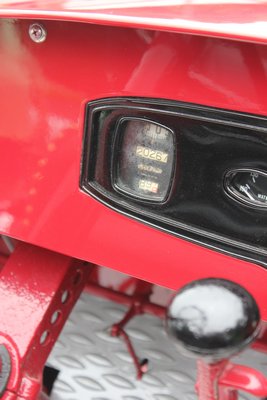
{"x": 144, "y": 165}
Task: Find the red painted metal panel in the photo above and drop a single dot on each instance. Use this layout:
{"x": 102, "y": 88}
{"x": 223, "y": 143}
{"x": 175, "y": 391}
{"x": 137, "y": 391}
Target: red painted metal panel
{"x": 44, "y": 89}
{"x": 38, "y": 289}
{"x": 239, "y": 19}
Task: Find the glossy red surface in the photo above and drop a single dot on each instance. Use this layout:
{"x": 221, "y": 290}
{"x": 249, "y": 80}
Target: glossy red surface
{"x": 33, "y": 282}
{"x": 244, "y": 378}
{"x": 44, "y": 89}
{"x": 228, "y": 379}
{"x": 239, "y": 19}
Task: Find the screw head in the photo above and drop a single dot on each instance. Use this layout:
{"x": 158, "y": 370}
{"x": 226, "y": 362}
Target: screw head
{"x": 37, "y": 33}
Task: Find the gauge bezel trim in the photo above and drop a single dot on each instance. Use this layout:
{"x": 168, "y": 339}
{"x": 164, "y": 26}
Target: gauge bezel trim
{"x": 235, "y": 195}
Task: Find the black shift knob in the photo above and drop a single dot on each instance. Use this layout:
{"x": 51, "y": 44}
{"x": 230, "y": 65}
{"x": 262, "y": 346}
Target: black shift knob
{"x": 213, "y": 318}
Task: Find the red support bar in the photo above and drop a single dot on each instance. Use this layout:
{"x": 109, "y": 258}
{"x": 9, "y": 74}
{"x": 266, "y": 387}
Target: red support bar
{"x": 208, "y": 381}
{"x": 244, "y": 378}
{"x": 38, "y": 289}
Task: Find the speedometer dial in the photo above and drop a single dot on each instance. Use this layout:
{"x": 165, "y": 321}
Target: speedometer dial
{"x": 145, "y": 162}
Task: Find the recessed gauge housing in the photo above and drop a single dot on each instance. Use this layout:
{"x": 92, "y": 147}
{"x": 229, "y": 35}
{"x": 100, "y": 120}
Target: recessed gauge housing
{"x": 182, "y": 168}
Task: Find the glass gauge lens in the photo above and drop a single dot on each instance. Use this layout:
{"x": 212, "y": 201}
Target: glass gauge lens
{"x": 248, "y": 186}
{"x": 145, "y": 161}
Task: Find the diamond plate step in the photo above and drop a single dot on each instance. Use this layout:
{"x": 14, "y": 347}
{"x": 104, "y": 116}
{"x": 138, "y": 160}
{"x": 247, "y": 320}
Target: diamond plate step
{"x": 95, "y": 366}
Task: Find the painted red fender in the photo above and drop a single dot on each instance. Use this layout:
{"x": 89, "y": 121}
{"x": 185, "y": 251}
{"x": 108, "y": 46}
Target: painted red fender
{"x": 44, "y": 90}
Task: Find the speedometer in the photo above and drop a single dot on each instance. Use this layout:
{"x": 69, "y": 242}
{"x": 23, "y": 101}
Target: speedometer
{"x": 145, "y": 159}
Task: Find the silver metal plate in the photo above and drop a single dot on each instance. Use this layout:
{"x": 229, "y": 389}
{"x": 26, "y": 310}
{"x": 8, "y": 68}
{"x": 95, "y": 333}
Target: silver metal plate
{"x": 95, "y": 366}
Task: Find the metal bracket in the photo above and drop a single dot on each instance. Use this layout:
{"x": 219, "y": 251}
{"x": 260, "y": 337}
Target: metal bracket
{"x": 38, "y": 289}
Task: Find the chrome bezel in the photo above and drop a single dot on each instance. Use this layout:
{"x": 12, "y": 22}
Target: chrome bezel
{"x": 235, "y": 195}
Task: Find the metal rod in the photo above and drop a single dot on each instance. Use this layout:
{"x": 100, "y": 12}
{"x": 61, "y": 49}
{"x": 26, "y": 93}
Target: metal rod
{"x": 123, "y": 298}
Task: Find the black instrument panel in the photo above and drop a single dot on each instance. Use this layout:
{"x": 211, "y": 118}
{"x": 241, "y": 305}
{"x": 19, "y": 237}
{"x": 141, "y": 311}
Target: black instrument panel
{"x": 196, "y": 172}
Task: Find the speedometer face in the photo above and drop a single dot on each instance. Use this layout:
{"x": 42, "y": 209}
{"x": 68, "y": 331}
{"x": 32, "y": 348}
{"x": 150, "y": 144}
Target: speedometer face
{"x": 145, "y": 161}
{"x": 248, "y": 186}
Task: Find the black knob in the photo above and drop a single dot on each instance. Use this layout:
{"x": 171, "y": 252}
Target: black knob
{"x": 213, "y": 318}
